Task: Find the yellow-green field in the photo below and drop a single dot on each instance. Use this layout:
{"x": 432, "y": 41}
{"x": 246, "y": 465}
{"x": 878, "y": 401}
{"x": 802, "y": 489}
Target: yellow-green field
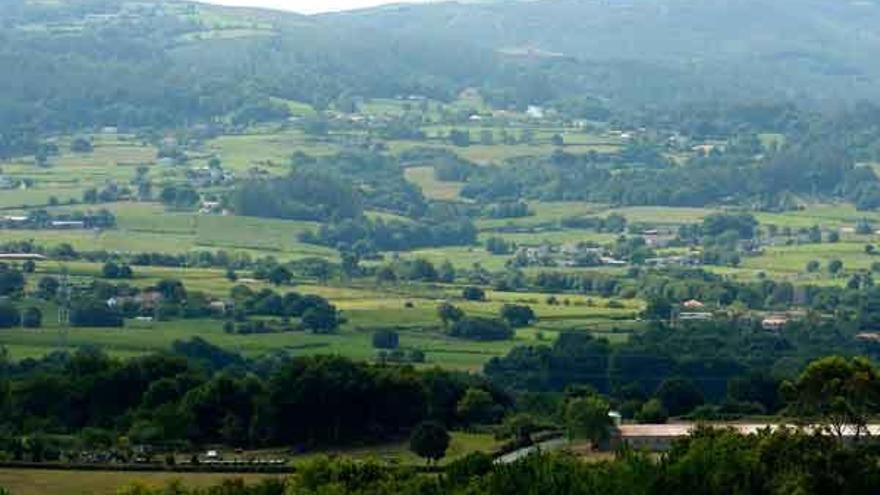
{"x": 409, "y": 308}
{"x": 50, "y": 482}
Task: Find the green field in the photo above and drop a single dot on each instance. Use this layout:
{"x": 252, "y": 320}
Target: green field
{"x": 51, "y": 482}
{"x": 409, "y": 308}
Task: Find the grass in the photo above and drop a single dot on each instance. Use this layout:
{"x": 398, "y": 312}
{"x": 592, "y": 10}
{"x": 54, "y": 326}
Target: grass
{"x": 823, "y": 215}
{"x": 48, "y": 482}
{"x": 431, "y": 187}
{"x": 661, "y": 215}
{"x": 269, "y": 149}
{"x": 461, "y": 444}
{"x": 147, "y": 227}
{"x": 794, "y": 259}
{"x": 409, "y": 308}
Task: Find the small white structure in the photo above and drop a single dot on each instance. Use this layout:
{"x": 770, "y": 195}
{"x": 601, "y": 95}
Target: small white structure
{"x": 693, "y": 304}
{"x": 535, "y": 112}
{"x": 774, "y": 322}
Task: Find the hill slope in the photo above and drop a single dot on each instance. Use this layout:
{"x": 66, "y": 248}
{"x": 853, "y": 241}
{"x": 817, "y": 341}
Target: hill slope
{"x": 80, "y": 63}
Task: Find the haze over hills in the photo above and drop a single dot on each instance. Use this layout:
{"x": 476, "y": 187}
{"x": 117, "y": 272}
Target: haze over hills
{"x": 793, "y": 48}
{"x": 158, "y": 59}
{"x": 308, "y": 6}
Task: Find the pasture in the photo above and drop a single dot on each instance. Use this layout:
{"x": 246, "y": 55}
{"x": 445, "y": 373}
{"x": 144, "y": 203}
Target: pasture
{"x": 53, "y": 482}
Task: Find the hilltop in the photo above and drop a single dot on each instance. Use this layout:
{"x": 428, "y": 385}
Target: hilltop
{"x": 170, "y": 62}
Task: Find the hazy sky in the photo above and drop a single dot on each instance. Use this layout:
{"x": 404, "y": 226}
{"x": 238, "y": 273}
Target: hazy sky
{"x": 308, "y": 6}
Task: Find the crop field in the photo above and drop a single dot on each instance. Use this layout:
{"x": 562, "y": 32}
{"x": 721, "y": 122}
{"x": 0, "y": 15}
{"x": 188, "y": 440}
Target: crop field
{"x": 409, "y": 309}
{"x": 824, "y": 215}
{"x": 51, "y": 482}
{"x": 795, "y": 258}
{"x": 398, "y": 454}
{"x": 431, "y": 187}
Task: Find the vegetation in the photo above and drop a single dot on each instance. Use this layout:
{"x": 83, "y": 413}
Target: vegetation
{"x": 483, "y": 242}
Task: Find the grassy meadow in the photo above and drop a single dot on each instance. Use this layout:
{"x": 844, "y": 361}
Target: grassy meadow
{"x": 408, "y": 308}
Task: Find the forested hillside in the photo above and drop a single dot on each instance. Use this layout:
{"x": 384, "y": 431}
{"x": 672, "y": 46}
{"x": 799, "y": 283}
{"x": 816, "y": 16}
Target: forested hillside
{"x": 98, "y": 62}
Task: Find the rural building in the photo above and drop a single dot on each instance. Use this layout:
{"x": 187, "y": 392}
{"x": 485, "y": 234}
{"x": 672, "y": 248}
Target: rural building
{"x": 219, "y": 307}
{"x": 210, "y": 207}
{"x": 68, "y": 224}
{"x": 682, "y": 260}
{"x": 535, "y": 112}
{"x": 693, "y": 304}
{"x": 776, "y": 322}
{"x": 659, "y": 438}
{"x": 694, "y": 316}
{"x": 868, "y": 337}
{"x": 22, "y": 257}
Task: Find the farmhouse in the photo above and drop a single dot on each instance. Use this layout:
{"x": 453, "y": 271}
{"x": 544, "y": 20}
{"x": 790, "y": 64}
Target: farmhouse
{"x": 693, "y": 304}
{"x": 775, "y": 322}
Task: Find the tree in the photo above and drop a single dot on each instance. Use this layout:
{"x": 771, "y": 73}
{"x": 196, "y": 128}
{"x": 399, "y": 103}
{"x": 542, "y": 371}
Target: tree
{"x": 446, "y": 272}
{"x": 429, "y": 440}
{"x": 587, "y": 417}
{"x": 652, "y": 412}
{"x": 460, "y": 138}
{"x": 94, "y": 313}
{"x": 279, "y": 275}
{"x": 32, "y": 318}
{"x": 386, "y": 339}
{"x": 29, "y": 266}
{"x": 813, "y": 266}
{"x": 835, "y": 266}
{"x": 679, "y": 396}
{"x": 449, "y": 313}
{"x": 498, "y": 246}
{"x": 837, "y": 391}
{"x": 481, "y": 329}
{"x": 172, "y": 290}
{"x": 518, "y": 315}
{"x": 321, "y": 318}
{"x": 81, "y": 145}
{"x": 864, "y": 227}
{"x": 11, "y": 281}
{"x": 47, "y": 287}
{"x": 658, "y": 308}
{"x": 110, "y": 270}
{"x": 9, "y": 316}
{"x": 473, "y": 294}
{"x": 476, "y": 406}
{"x": 520, "y": 427}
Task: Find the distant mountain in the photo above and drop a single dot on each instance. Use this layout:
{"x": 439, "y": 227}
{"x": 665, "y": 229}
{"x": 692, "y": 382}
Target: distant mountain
{"x": 818, "y": 50}
{"x": 73, "y": 63}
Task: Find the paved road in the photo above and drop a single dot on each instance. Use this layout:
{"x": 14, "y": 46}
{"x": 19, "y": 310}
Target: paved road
{"x": 547, "y": 446}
